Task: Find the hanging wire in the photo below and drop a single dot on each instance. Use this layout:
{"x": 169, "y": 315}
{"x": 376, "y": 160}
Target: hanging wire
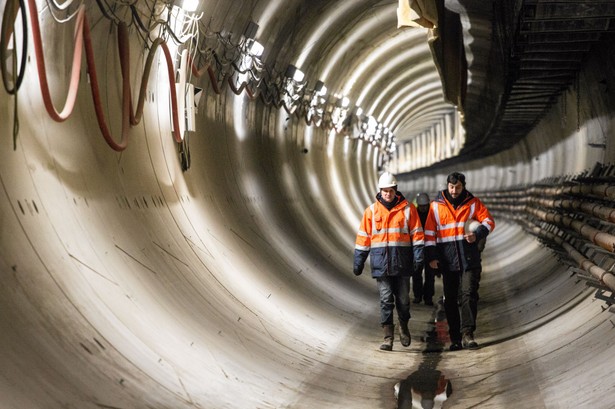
{"x": 105, "y": 13}
{"x": 62, "y": 7}
{"x": 15, "y": 102}
{"x": 214, "y": 51}
{"x": 112, "y": 11}
{"x": 8, "y": 30}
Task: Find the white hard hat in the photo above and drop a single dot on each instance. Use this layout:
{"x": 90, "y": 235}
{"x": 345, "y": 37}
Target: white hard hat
{"x": 471, "y": 226}
{"x": 422, "y": 199}
{"x": 386, "y": 180}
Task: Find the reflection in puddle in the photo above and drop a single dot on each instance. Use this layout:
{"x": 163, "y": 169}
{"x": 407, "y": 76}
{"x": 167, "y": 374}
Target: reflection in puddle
{"x": 427, "y": 387}
{"x": 437, "y": 331}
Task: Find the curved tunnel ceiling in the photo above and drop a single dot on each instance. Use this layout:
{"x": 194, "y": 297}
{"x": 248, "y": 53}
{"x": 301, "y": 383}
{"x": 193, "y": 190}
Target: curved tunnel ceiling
{"x": 210, "y": 268}
{"x": 379, "y": 67}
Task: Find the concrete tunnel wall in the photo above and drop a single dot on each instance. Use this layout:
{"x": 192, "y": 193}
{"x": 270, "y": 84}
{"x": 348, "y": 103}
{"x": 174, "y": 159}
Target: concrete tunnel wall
{"x": 128, "y": 283}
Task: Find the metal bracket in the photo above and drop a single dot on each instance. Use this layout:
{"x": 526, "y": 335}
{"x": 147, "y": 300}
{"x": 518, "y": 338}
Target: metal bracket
{"x": 609, "y": 299}
{"x": 591, "y": 280}
{"x": 578, "y": 271}
{"x": 599, "y": 249}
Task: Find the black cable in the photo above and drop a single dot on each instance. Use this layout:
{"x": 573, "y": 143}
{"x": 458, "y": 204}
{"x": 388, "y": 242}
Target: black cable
{"x": 6, "y": 29}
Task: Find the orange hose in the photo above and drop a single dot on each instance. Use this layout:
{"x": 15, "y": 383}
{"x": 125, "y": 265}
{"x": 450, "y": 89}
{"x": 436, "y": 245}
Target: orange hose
{"x": 171, "y": 73}
{"x": 42, "y": 71}
{"x": 83, "y": 39}
{"x": 102, "y": 123}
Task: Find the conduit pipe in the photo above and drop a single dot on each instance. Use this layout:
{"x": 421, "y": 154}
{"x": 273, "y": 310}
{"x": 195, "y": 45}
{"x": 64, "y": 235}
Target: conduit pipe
{"x": 520, "y": 198}
{"x": 592, "y": 209}
{"x": 604, "y": 240}
{"x": 605, "y": 277}
{"x": 603, "y": 190}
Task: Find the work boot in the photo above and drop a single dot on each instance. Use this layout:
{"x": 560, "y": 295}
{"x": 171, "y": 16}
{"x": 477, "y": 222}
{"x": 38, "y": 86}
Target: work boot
{"x": 468, "y": 341}
{"x": 387, "y": 345}
{"x": 404, "y": 333}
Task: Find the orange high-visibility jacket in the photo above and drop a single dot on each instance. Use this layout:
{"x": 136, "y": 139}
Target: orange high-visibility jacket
{"x": 444, "y": 231}
{"x": 393, "y": 239}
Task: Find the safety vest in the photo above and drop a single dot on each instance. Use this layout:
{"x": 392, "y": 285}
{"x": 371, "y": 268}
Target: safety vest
{"x": 393, "y": 239}
{"x": 445, "y": 230}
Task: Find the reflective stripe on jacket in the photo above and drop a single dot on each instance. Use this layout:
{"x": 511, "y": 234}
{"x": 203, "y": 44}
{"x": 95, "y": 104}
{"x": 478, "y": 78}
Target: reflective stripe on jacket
{"x": 393, "y": 239}
{"x": 444, "y": 231}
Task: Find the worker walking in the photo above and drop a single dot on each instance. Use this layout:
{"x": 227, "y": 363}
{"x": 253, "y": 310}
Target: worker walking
{"x": 457, "y": 222}
{"x": 392, "y": 236}
{"x": 423, "y": 277}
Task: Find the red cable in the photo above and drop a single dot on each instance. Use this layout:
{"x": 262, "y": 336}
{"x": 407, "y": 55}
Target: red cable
{"x": 199, "y": 72}
{"x": 167, "y": 54}
{"x": 102, "y": 123}
{"x": 83, "y": 38}
{"x": 42, "y": 71}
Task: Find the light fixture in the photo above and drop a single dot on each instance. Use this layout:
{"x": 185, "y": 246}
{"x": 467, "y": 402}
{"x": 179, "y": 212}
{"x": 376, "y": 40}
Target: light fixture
{"x": 254, "y": 47}
{"x": 250, "y": 31}
{"x": 315, "y": 111}
{"x": 190, "y": 5}
{"x": 320, "y": 88}
{"x": 340, "y": 113}
{"x": 294, "y": 73}
{"x": 292, "y": 88}
{"x": 247, "y": 64}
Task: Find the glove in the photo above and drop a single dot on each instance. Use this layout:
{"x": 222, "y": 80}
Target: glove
{"x": 357, "y": 271}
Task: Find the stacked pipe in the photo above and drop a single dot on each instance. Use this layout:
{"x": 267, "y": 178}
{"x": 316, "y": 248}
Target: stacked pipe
{"x": 571, "y": 215}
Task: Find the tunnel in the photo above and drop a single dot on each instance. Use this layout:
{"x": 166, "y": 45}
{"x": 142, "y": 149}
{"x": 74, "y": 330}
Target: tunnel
{"x": 182, "y": 185}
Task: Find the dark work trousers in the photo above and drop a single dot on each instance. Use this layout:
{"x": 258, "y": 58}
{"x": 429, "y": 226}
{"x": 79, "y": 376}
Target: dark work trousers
{"x": 394, "y": 294}
{"x": 423, "y": 288}
{"x": 461, "y": 301}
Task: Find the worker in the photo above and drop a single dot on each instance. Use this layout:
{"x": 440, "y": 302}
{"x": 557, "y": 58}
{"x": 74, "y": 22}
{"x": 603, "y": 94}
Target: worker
{"x": 453, "y": 251}
{"x": 392, "y": 236}
{"x": 423, "y": 279}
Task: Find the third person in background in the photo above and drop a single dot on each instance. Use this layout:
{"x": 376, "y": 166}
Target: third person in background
{"x": 457, "y": 222}
{"x": 423, "y": 287}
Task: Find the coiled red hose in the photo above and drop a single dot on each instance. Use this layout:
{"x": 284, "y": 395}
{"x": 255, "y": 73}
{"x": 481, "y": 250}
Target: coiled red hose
{"x": 83, "y": 39}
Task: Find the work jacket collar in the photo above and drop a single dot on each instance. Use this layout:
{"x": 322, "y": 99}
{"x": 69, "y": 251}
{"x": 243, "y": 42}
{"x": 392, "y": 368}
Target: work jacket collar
{"x": 399, "y": 198}
{"x": 445, "y": 197}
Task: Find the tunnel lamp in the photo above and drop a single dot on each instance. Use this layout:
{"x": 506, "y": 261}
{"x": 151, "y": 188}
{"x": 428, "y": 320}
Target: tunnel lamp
{"x": 247, "y": 66}
{"x": 250, "y": 31}
{"x": 372, "y": 126}
{"x": 292, "y": 88}
{"x": 254, "y": 47}
{"x": 315, "y": 111}
{"x": 294, "y": 73}
{"x": 340, "y": 113}
{"x": 190, "y": 5}
{"x": 320, "y": 88}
